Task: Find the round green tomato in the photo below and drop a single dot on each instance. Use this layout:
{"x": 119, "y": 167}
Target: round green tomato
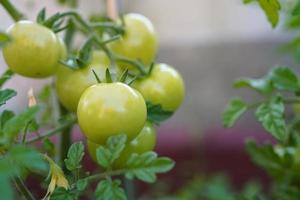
{"x": 108, "y": 109}
{"x": 34, "y": 50}
{"x": 139, "y": 40}
{"x": 145, "y": 141}
{"x": 164, "y": 86}
{"x": 70, "y": 84}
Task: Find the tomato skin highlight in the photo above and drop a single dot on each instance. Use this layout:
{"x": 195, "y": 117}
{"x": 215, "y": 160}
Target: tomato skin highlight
{"x": 34, "y": 51}
{"x": 70, "y": 84}
{"x": 164, "y": 86}
{"x": 145, "y": 141}
{"x": 138, "y": 42}
{"x": 108, "y": 109}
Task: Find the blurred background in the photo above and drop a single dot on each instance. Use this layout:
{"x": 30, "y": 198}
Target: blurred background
{"x": 211, "y": 43}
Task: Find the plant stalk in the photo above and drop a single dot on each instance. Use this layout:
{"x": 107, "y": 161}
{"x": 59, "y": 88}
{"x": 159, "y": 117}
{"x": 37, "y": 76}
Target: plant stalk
{"x": 65, "y": 140}
{"x": 12, "y": 10}
{"x": 23, "y": 189}
{"x": 52, "y": 132}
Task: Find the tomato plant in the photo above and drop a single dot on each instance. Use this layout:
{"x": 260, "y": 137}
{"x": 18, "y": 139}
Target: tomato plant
{"x": 279, "y": 89}
{"x": 93, "y": 86}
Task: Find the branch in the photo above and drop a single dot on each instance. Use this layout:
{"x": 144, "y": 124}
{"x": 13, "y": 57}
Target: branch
{"x": 52, "y": 132}
{"x": 12, "y": 10}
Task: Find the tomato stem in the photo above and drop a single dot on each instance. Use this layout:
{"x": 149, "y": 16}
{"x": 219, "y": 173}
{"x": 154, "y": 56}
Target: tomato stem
{"x": 51, "y": 132}
{"x": 23, "y": 189}
{"x": 12, "y": 10}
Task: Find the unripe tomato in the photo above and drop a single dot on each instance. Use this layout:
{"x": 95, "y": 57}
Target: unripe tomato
{"x": 145, "y": 141}
{"x": 70, "y": 84}
{"x": 34, "y": 50}
{"x": 164, "y": 86}
{"x": 139, "y": 40}
{"x": 108, "y": 109}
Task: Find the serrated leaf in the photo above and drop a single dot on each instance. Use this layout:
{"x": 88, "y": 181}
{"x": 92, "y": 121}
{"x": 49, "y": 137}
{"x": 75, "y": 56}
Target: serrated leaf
{"x": 271, "y": 9}
{"x": 235, "y": 108}
{"x": 264, "y": 156}
{"x": 145, "y": 166}
{"x": 74, "y": 157}
{"x": 6, "y": 190}
{"x": 81, "y": 184}
{"x": 284, "y": 78}
{"x": 15, "y": 124}
{"x": 270, "y": 115}
{"x": 263, "y": 85}
{"x": 28, "y": 158}
{"x": 110, "y": 189}
{"x": 61, "y": 193}
{"x": 4, "y": 39}
{"x": 156, "y": 114}
{"x": 106, "y": 155}
{"x": 5, "y": 76}
{"x": 6, "y": 94}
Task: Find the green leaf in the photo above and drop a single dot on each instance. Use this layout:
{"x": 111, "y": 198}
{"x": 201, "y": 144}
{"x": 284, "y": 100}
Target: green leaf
{"x": 49, "y": 146}
{"x": 5, "y": 116}
{"x": 235, "y": 108}
{"x": 145, "y": 166}
{"x": 85, "y": 54}
{"x": 156, "y": 114}
{"x": 271, "y": 9}
{"x": 296, "y": 10}
{"x": 61, "y": 193}
{"x": 41, "y": 16}
{"x": 75, "y": 155}
{"x": 81, "y": 184}
{"x": 28, "y": 158}
{"x": 5, "y": 95}
{"x": 32, "y": 126}
{"x": 4, "y": 39}
{"x": 284, "y": 78}
{"x": 270, "y": 115}
{"x": 15, "y": 124}
{"x": 263, "y": 85}
{"x": 107, "y": 154}
{"x": 5, "y": 76}
{"x": 108, "y": 77}
{"x": 110, "y": 189}
{"x": 265, "y": 157}
{"x": 248, "y": 1}
{"x": 6, "y": 190}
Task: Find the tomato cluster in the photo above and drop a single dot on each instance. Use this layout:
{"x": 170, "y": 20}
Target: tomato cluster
{"x": 103, "y": 108}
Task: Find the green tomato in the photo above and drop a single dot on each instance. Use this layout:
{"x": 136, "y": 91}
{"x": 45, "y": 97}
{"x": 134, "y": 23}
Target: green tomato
{"x": 108, "y": 109}
{"x": 138, "y": 42}
{"x": 70, "y": 84}
{"x": 164, "y": 86}
{"x": 145, "y": 141}
{"x": 34, "y": 50}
